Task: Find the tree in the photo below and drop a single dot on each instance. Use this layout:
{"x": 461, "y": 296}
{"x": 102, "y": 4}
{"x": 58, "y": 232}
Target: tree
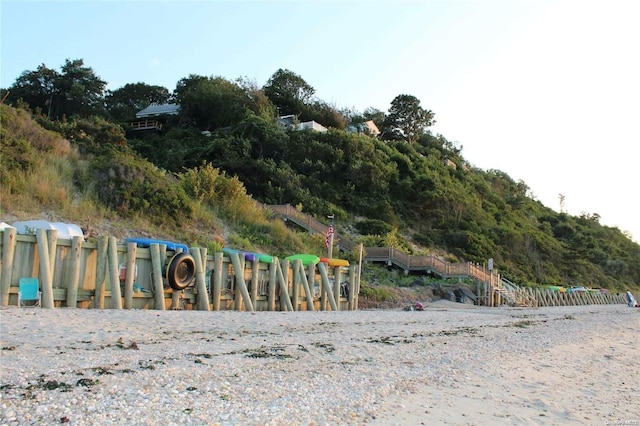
{"x": 288, "y": 91}
{"x": 407, "y": 118}
{"x": 324, "y": 114}
{"x": 262, "y": 105}
{"x": 123, "y": 103}
{"x": 36, "y": 88}
{"x": 210, "y": 103}
{"x": 81, "y": 89}
{"x": 76, "y": 91}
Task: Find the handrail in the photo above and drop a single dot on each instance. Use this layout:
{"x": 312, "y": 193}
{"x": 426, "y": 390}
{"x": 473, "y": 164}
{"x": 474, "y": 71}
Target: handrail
{"x": 389, "y": 254}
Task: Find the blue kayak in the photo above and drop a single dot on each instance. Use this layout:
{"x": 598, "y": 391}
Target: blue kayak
{"x": 146, "y": 242}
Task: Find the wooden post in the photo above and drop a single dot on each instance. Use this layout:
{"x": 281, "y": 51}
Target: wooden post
{"x": 273, "y": 281}
{"x": 255, "y": 267}
{"x": 200, "y": 258}
{"x": 52, "y": 239}
{"x": 327, "y": 287}
{"x": 295, "y": 291}
{"x": 45, "y": 269}
{"x": 158, "y": 287}
{"x": 217, "y": 279}
{"x": 114, "y": 274}
{"x": 285, "y": 301}
{"x": 311, "y": 276}
{"x": 101, "y": 263}
{"x": 238, "y": 274}
{"x": 305, "y": 285}
{"x": 72, "y": 287}
{"x": 176, "y": 295}
{"x": 8, "y": 253}
{"x": 237, "y": 265}
{"x": 352, "y": 285}
{"x": 357, "y": 286}
{"x": 337, "y": 277}
{"x": 356, "y": 293}
{"x": 130, "y": 277}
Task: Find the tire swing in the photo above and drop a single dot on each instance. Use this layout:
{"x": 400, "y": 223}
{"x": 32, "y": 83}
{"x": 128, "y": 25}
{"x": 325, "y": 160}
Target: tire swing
{"x": 181, "y": 271}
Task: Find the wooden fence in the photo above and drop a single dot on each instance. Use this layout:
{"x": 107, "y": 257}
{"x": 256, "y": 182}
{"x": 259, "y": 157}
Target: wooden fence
{"x": 75, "y": 273}
{"x": 502, "y": 292}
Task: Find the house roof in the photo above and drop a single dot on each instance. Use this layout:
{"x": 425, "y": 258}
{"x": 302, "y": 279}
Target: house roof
{"x": 155, "y": 109}
{"x": 373, "y": 129}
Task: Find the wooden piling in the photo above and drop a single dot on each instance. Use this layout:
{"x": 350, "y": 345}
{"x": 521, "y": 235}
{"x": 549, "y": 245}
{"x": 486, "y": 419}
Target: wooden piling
{"x": 327, "y": 288}
{"x": 52, "y": 240}
{"x": 337, "y": 278}
{"x": 273, "y": 280}
{"x": 130, "y": 276}
{"x": 255, "y": 268}
{"x": 284, "y": 291}
{"x": 200, "y": 258}
{"x": 240, "y": 283}
{"x": 101, "y": 262}
{"x": 45, "y": 269}
{"x": 156, "y": 274}
{"x": 295, "y": 291}
{"x": 238, "y": 272}
{"x": 8, "y": 253}
{"x": 72, "y": 287}
{"x": 217, "y": 280}
{"x": 113, "y": 274}
{"x": 305, "y": 284}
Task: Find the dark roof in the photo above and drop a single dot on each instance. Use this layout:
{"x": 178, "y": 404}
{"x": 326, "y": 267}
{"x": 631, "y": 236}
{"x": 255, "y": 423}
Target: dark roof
{"x": 154, "y": 109}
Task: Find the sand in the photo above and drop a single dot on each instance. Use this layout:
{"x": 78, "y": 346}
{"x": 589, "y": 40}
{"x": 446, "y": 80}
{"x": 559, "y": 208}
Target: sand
{"x": 450, "y": 364}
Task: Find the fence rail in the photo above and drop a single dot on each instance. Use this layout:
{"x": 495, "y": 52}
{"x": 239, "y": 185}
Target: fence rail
{"x": 390, "y": 255}
{"x": 496, "y": 289}
{"x": 76, "y": 273}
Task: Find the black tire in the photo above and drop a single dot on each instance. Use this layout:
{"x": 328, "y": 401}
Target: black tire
{"x": 181, "y": 271}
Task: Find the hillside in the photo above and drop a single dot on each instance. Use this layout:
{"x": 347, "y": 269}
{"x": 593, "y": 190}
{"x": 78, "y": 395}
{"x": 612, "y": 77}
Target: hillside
{"x": 180, "y": 184}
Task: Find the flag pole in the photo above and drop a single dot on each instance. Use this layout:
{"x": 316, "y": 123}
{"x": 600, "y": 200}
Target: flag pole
{"x": 330, "y": 248}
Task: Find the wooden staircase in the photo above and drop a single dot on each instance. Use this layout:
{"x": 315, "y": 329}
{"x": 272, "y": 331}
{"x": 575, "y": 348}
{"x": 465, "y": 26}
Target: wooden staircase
{"x": 499, "y": 289}
{"x": 390, "y": 255}
{"x": 513, "y": 294}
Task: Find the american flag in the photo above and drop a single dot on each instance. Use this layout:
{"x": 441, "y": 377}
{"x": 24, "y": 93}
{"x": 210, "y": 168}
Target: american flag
{"x": 328, "y": 237}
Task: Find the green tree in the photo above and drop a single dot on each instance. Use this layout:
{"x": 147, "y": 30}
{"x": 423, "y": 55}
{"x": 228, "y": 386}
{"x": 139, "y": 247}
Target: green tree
{"x": 36, "y": 88}
{"x": 407, "y": 119}
{"x": 288, "y": 91}
{"x": 210, "y": 103}
{"x": 123, "y": 103}
{"x": 81, "y": 89}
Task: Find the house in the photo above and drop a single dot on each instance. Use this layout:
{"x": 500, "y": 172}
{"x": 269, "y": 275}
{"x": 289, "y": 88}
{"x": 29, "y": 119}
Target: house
{"x": 368, "y": 127}
{"x": 371, "y": 128}
{"x": 291, "y": 121}
{"x": 449, "y": 163}
{"x": 151, "y": 118}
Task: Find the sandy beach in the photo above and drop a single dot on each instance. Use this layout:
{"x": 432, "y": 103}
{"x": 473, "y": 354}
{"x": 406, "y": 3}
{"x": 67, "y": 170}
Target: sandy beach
{"x": 450, "y": 364}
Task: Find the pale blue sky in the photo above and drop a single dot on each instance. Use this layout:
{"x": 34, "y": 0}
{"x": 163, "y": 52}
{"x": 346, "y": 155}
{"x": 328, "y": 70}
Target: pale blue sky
{"x": 547, "y": 91}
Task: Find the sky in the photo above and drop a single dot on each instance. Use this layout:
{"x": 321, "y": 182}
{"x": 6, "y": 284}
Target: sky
{"x": 547, "y": 91}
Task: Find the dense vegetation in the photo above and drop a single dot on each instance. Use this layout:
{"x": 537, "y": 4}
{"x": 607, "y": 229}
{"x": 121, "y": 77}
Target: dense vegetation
{"x": 405, "y": 188}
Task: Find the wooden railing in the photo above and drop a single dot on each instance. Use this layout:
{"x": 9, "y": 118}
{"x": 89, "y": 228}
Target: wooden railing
{"x": 145, "y": 124}
{"x": 390, "y": 255}
{"x": 306, "y": 221}
{"x": 495, "y": 289}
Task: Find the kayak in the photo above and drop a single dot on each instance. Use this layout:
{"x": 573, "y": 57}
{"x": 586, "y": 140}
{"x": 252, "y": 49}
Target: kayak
{"x": 249, "y": 256}
{"x": 265, "y": 258}
{"x": 146, "y": 242}
{"x": 334, "y": 262}
{"x": 307, "y": 259}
